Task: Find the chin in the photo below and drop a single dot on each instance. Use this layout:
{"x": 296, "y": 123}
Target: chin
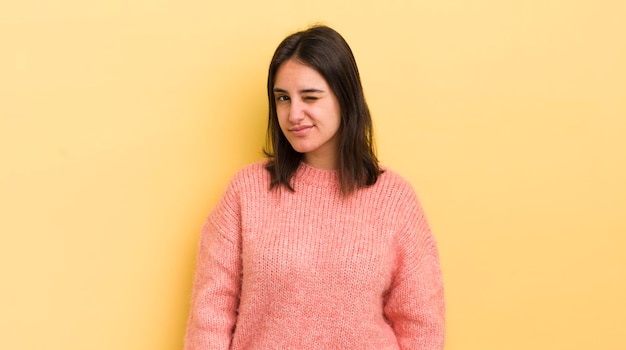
{"x": 301, "y": 148}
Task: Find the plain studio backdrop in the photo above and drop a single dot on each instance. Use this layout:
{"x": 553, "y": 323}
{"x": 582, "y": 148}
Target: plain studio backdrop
{"x": 121, "y": 122}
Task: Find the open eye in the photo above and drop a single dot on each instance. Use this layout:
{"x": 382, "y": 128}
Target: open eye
{"x": 282, "y": 98}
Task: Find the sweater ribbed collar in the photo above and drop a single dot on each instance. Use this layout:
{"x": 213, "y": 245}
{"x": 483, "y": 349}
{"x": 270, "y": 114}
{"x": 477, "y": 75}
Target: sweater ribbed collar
{"x": 309, "y": 174}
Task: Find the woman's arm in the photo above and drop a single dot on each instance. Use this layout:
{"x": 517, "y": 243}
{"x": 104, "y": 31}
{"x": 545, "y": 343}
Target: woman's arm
{"x": 415, "y": 302}
{"x": 217, "y": 281}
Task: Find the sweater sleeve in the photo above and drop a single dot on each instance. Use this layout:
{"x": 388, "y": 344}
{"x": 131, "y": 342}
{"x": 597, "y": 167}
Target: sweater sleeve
{"x": 217, "y": 280}
{"x": 414, "y": 304}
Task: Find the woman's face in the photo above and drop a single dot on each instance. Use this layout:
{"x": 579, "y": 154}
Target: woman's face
{"x": 308, "y": 113}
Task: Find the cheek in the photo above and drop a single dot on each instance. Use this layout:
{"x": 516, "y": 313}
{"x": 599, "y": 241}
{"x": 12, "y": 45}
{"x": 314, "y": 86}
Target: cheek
{"x": 280, "y": 116}
{"x": 332, "y": 109}
{"x": 336, "y": 118}
{"x": 282, "y": 122}
{"x": 282, "y": 111}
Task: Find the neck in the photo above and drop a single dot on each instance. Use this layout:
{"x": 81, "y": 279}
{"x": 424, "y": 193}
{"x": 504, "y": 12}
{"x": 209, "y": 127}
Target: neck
{"x": 325, "y": 162}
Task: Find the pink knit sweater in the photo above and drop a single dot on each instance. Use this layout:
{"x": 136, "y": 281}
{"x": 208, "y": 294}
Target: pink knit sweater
{"x": 312, "y": 269}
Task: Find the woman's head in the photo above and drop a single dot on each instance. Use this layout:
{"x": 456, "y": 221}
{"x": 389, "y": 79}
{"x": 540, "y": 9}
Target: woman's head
{"x": 310, "y": 68}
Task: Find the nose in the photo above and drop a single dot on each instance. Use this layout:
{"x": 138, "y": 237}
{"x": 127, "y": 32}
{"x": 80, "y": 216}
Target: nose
{"x": 296, "y": 112}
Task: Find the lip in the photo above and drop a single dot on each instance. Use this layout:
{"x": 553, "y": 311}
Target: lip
{"x": 301, "y": 130}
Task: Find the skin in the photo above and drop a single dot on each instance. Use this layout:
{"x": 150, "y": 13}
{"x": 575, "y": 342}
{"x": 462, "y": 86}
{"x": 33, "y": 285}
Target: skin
{"x": 308, "y": 113}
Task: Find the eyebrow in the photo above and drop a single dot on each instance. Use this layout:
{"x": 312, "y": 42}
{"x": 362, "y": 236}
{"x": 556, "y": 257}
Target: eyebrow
{"x": 304, "y": 91}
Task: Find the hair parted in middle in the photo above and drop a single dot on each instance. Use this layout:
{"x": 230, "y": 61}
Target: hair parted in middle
{"x": 326, "y": 51}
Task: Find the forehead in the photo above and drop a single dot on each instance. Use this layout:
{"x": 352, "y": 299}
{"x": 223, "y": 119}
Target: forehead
{"x": 295, "y": 75}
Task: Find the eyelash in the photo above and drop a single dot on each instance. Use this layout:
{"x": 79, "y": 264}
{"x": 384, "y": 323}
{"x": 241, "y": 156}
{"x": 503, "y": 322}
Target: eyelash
{"x": 284, "y": 98}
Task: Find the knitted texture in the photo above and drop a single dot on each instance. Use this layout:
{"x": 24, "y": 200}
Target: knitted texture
{"x": 313, "y": 269}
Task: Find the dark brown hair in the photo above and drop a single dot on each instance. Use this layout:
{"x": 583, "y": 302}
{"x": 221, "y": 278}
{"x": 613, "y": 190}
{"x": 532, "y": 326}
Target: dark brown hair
{"x": 326, "y": 51}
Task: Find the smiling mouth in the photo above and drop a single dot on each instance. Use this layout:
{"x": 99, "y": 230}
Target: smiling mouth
{"x": 301, "y": 128}
{"x": 301, "y": 131}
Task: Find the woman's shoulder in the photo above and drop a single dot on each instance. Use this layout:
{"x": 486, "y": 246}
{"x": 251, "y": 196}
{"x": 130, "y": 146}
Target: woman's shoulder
{"x": 252, "y": 174}
{"x": 393, "y": 180}
{"x": 256, "y": 168}
{"x": 395, "y": 189}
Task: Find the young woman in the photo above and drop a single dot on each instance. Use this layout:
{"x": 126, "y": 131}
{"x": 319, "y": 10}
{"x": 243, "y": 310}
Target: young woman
{"x": 317, "y": 247}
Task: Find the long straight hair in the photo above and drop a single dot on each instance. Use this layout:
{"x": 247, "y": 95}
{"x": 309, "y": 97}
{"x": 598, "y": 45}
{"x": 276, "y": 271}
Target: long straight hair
{"x": 326, "y": 51}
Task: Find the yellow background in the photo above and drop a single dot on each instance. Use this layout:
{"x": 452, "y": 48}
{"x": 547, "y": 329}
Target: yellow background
{"x": 122, "y": 121}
